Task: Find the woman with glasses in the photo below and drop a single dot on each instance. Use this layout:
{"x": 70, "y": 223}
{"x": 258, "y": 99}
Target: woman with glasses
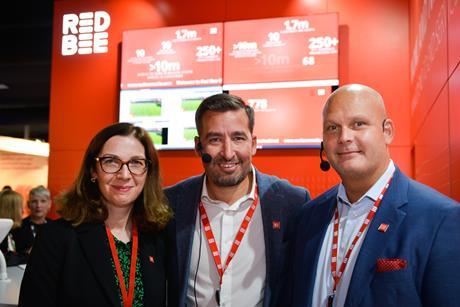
{"x": 108, "y": 249}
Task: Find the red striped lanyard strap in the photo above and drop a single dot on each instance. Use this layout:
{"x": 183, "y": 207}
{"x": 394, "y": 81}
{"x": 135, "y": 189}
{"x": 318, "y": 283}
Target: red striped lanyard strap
{"x": 236, "y": 243}
{"x": 128, "y": 297}
{"x": 335, "y": 239}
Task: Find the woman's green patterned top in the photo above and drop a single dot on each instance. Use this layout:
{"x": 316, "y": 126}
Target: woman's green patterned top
{"x": 124, "y": 255}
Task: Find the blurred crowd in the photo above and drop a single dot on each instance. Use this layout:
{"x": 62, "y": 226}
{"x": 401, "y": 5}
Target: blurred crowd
{"x": 16, "y": 246}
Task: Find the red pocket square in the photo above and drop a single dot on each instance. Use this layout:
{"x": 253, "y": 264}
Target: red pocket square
{"x": 387, "y": 265}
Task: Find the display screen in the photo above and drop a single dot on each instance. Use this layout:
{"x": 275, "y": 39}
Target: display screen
{"x": 289, "y": 117}
{"x": 183, "y": 56}
{"x": 281, "y": 49}
{"x": 167, "y": 114}
{"x": 283, "y": 67}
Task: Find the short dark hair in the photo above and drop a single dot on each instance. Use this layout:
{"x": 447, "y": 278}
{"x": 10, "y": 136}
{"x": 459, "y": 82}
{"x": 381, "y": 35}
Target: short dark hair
{"x": 83, "y": 202}
{"x": 223, "y": 103}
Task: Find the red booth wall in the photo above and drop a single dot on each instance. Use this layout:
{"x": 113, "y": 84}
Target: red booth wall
{"x": 435, "y": 93}
{"x": 374, "y": 49}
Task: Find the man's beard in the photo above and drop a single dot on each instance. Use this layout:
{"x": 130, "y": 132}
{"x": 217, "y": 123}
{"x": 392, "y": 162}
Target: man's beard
{"x": 228, "y": 181}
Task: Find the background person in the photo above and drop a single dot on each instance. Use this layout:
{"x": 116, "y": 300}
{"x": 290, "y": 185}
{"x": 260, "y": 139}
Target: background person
{"x": 11, "y": 208}
{"x": 216, "y": 203}
{"x": 39, "y": 204}
{"x": 107, "y": 250}
{"x": 6, "y": 188}
{"x": 378, "y": 238}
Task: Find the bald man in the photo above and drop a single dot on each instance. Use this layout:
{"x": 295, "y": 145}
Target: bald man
{"x": 378, "y": 238}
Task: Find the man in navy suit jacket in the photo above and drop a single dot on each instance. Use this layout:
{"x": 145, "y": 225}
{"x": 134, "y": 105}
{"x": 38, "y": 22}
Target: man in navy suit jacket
{"x": 231, "y": 212}
{"x": 408, "y": 248}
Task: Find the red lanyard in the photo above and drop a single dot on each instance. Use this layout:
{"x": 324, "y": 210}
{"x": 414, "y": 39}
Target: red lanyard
{"x": 236, "y": 242}
{"x": 128, "y": 297}
{"x": 335, "y": 240}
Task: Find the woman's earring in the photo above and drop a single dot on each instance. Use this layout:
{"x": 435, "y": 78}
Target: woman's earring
{"x": 93, "y": 179}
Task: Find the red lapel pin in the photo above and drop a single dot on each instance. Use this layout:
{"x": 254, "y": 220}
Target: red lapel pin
{"x": 276, "y": 225}
{"x": 151, "y": 259}
{"x": 383, "y": 227}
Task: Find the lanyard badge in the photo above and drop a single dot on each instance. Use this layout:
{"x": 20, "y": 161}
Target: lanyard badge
{"x": 236, "y": 243}
{"x": 127, "y": 296}
{"x": 335, "y": 242}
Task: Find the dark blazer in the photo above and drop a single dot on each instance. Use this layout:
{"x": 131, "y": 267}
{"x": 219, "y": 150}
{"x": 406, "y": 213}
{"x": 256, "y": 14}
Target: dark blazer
{"x": 24, "y": 237}
{"x": 279, "y": 201}
{"x": 424, "y": 230}
{"x": 71, "y": 266}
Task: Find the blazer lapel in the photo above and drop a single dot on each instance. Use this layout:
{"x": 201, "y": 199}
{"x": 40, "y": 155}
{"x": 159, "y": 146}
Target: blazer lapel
{"x": 150, "y": 247}
{"x": 185, "y": 217}
{"x": 93, "y": 240}
{"x": 312, "y": 236}
{"x": 390, "y": 212}
{"x": 271, "y": 205}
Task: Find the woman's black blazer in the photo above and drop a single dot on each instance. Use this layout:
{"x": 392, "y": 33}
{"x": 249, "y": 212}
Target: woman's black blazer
{"x": 71, "y": 266}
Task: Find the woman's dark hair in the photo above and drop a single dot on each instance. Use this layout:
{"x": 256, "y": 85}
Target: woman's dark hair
{"x": 83, "y": 202}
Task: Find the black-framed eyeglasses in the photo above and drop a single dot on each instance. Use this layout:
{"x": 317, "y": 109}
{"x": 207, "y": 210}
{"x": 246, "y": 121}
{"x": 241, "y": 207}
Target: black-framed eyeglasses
{"x": 112, "y": 165}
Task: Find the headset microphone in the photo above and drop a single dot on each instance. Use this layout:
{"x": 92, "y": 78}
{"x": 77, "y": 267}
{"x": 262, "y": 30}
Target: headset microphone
{"x": 205, "y": 157}
{"x": 324, "y": 165}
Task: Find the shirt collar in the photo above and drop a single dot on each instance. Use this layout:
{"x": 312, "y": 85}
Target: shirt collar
{"x": 374, "y": 191}
{"x": 251, "y": 195}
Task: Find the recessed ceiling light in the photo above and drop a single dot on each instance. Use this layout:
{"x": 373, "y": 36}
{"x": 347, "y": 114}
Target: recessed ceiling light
{"x": 3, "y": 86}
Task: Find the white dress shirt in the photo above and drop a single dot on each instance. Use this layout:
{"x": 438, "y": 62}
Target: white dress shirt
{"x": 351, "y": 217}
{"x": 244, "y": 280}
